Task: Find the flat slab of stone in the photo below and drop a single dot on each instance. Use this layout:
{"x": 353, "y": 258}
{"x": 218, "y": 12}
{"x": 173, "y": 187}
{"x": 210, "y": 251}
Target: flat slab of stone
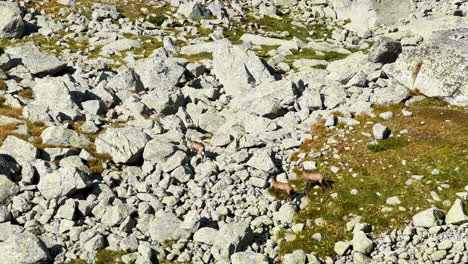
{"x": 260, "y": 40}
{"x": 37, "y": 61}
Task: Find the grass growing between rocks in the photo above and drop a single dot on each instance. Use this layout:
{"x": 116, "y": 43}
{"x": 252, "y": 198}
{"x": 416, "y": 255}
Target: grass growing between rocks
{"x": 437, "y": 139}
{"x": 104, "y": 256}
{"x": 195, "y": 57}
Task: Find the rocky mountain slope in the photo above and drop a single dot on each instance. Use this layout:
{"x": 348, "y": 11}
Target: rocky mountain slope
{"x": 98, "y": 100}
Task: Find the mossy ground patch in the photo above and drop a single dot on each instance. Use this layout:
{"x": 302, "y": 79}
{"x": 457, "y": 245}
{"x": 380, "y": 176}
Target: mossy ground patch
{"x": 436, "y": 139}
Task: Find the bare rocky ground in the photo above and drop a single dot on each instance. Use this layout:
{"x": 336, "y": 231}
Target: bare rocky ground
{"x": 98, "y": 99}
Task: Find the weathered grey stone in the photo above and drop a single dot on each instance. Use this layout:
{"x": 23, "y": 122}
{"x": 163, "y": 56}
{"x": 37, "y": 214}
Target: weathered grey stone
{"x": 205, "y": 235}
{"x": 384, "y": 50}
{"x": 456, "y": 215}
{"x": 7, "y": 189}
{"x": 67, "y": 211}
{"x": 163, "y": 102}
{"x": 205, "y": 47}
{"x": 392, "y": 94}
{"x": 231, "y": 238}
{"x": 158, "y": 151}
{"x": 260, "y": 40}
{"x": 262, "y": 160}
{"x": 126, "y": 79}
{"x": 125, "y": 145}
{"x": 381, "y": 132}
{"x": 193, "y": 10}
{"x": 58, "y": 135}
{"x": 101, "y": 12}
{"x": 367, "y": 14}
{"x": 120, "y": 45}
{"x": 429, "y": 218}
{"x": 37, "y": 62}
{"x": 64, "y": 105}
{"x": 159, "y": 73}
{"x": 24, "y": 248}
{"x": 297, "y": 257}
{"x": 248, "y": 257}
{"x": 436, "y": 68}
{"x": 286, "y": 214}
{"x": 239, "y": 70}
{"x": 115, "y": 215}
{"x": 11, "y": 20}
{"x": 5, "y": 214}
{"x": 163, "y": 226}
{"x": 361, "y": 243}
{"x": 62, "y": 182}
{"x": 9, "y": 167}
{"x": 341, "y": 247}
{"x": 269, "y": 99}
{"x": 20, "y": 150}
{"x": 345, "y": 69}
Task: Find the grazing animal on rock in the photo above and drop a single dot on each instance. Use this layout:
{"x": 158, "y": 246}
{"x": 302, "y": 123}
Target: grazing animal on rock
{"x": 197, "y": 146}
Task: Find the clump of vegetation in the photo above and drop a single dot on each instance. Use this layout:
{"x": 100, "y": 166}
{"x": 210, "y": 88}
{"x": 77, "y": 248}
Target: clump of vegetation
{"x": 76, "y": 261}
{"x": 390, "y": 143}
{"x": 27, "y": 93}
{"x": 431, "y": 143}
{"x": 3, "y": 85}
{"x": 196, "y": 57}
{"x": 158, "y": 20}
{"x": 106, "y": 256}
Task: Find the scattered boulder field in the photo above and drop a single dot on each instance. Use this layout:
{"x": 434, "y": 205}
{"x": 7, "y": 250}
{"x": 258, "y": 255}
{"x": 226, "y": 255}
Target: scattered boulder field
{"x": 157, "y": 131}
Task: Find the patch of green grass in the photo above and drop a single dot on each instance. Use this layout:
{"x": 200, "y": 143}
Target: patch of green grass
{"x": 279, "y": 195}
{"x": 432, "y": 143}
{"x": 76, "y": 261}
{"x": 158, "y": 20}
{"x": 389, "y": 143}
{"x": 196, "y": 57}
{"x": 106, "y": 256}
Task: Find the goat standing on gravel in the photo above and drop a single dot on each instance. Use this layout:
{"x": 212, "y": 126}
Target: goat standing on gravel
{"x": 197, "y": 146}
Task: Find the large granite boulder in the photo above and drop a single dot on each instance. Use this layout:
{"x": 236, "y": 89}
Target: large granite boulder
{"x": 11, "y": 20}
{"x": 239, "y": 70}
{"x": 38, "y": 62}
{"x": 24, "y": 248}
{"x": 125, "y": 145}
{"x": 436, "y": 68}
{"x": 159, "y": 73}
{"x": 368, "y": 14}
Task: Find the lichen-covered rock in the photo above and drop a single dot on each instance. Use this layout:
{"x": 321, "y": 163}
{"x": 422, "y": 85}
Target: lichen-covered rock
{"x": 163, "y": 226}
{"x": 231, "y": 238}
{"x": 436, "y": 68}
{"x": 248, "y": 257}
{"x": 62, "y": 182}
{"x": 20, "y": 150}
{"x": 37, "y": 61}
{"x": 125, "y": 145}
{"x": 456, "y": 215}
{"x": 429, "y": 218}
{"x": 384, "y": 50}
{"x": 24, "y": 248}
{"x": 11, "y": 20}
{"x": 239, "y": 70}
{"x": 7, "y": 189}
